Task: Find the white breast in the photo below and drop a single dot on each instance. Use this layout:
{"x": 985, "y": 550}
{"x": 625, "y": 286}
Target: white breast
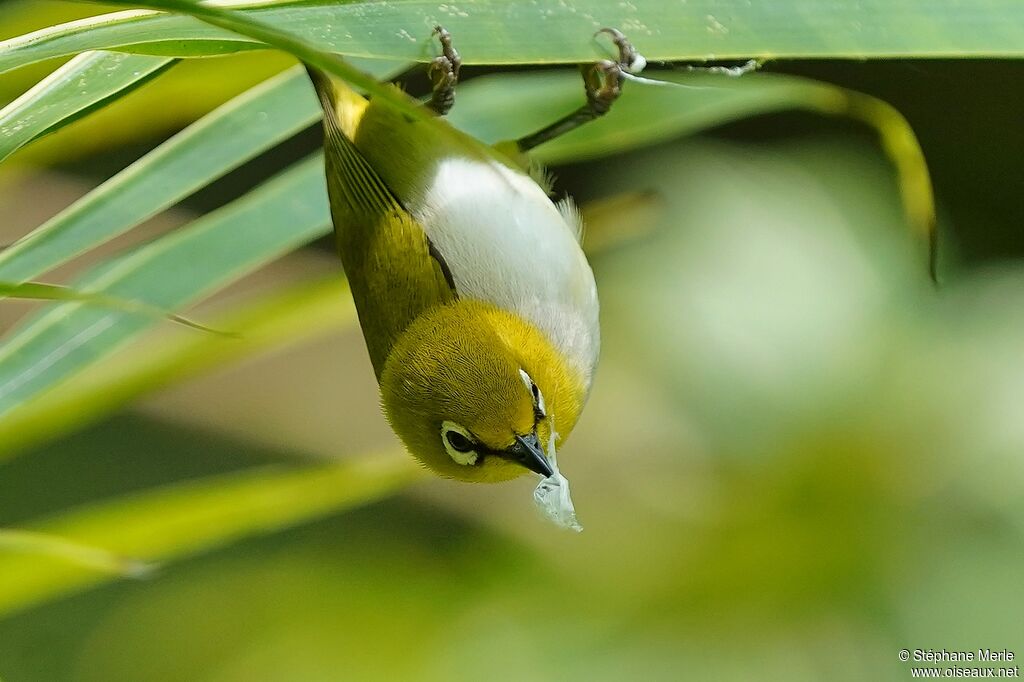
{"x": 506, "y": 243}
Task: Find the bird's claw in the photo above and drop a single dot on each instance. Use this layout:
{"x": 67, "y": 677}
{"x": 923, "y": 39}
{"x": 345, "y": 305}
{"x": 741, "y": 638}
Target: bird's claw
{"x": 629, "y": 58}
{"x": 603, "y": 79}
{"x": 444, "y": 73}
{"x": 603, "y": 83}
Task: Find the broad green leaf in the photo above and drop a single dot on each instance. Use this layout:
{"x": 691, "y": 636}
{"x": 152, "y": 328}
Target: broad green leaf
{"x": 36, "y": 545}
{"x": 518, "y": 32}
{"x": 40, "y": 291}
{"x": 295, "y": 315}
{"x": 181, "y": 520}
{"x": 286, "y": 212}
{"x": 84, "y": 84}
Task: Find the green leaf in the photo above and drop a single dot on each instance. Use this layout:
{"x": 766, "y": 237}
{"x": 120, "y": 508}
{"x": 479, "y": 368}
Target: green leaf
{"x": 286, "y": 212}
{"x": 181, "y": 520}
{"x": 312, "y": 54}
{"x": 40, "y": 291}
{"x": 503, "y": 32}
{"x": 297, "y": 314}
{"x": 36, "y": 545}
{"x": 220, "y": 142}
{"x": 236, "y": 132}
{"x": 84, "y": 84}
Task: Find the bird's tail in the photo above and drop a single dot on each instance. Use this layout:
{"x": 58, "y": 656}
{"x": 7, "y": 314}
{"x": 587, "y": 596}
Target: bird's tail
{"x": 343, "y": 107}
{"x": 356, "y": 189}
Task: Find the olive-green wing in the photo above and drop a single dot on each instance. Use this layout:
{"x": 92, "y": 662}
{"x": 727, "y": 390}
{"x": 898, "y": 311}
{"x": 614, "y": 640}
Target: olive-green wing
{"x": 393, "y": 271}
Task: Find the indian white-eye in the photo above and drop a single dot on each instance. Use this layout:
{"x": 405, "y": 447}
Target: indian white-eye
{"x": 478, "y": 307}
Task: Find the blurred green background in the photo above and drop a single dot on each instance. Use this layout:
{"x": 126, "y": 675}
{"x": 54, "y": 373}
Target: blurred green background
{"x": 798, "y": 457}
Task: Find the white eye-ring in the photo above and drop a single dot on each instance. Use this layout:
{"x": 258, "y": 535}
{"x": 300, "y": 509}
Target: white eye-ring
{"x": 458, "y": 443}
{"x": 538, "y": 397}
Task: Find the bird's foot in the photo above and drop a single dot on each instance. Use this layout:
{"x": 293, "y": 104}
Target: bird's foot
{"x": 444, "y": 73}
{"x": 603, "y": 80}
{"x": 603, "y": 83}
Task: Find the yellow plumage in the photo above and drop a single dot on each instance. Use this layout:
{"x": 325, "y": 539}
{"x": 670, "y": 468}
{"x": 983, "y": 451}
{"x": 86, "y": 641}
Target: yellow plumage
{"x": 460, "y": 338}
{"x": 478, "y": 308}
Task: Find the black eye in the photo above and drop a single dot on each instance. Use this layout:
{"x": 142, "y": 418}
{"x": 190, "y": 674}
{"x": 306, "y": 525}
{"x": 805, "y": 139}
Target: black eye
{"x": 458, "y": 442}
{"x": 536, "y": 393}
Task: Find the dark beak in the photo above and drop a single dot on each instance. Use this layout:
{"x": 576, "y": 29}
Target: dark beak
{"x": 526, "y": 451}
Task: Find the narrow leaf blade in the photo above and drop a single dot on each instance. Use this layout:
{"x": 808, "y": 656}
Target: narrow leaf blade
{"x": 36, "y": 545}
{"x": 41, "y": 291}
{"x": 184, "y": 519}
{"x": 290, "y": 317}
{"x": 84, "y": 84}
{"x": 286, "y": 212}
{"x": 221, "y": 141}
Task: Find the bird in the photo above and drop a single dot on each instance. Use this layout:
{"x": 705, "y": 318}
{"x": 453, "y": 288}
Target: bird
{"x": 477, "y": 304}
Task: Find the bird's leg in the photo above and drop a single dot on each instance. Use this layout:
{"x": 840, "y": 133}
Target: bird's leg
{"x": 444, "y": 74}
{"x": 603, "y": 83}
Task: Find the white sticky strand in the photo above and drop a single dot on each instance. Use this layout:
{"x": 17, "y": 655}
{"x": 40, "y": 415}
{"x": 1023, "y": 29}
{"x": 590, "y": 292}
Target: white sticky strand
{"x": 638, "y": 64}
{"x": 730, "y": 71}
{"x": 734, "y": 71}
{"x": 552, "y": 494}
{"x": 666, "y": 84}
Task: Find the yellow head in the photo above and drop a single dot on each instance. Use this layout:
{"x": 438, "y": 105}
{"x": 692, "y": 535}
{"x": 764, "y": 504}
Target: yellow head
{"x": 473, "y": 390}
